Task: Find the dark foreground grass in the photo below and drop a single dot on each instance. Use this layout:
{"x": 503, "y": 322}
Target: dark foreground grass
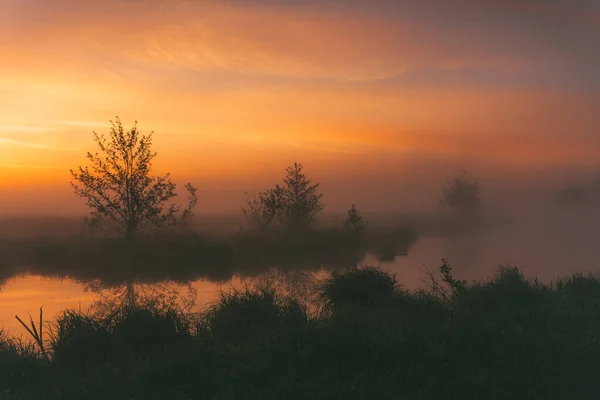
{"x": 505, "y": 338}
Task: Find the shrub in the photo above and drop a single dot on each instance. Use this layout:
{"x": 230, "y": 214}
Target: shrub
{"x": 244, "y": 314}
{"x": 367, "y": 286}
{"x": 79, "y": 341}
{"x": 147, "y": 329}
{"x": 20, "y": 363}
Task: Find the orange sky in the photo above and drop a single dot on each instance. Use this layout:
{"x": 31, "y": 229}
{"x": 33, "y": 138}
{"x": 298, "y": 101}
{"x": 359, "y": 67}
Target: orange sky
{"x": 235, "y": 90}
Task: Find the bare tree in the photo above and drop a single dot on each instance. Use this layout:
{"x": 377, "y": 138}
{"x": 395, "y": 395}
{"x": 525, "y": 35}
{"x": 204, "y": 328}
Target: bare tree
{"x": 462, "y": 195}
{"x": 294, "y": 205}
{"x": 118, "y": 188}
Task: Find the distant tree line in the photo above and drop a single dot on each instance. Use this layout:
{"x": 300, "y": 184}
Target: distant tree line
{"x": 118, "y": 187}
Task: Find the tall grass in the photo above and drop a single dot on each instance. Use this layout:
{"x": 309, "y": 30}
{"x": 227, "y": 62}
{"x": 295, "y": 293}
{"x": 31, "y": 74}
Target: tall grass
{"x": 505, "y": 337}
{"x": 148, "y": 329}
{"x": 241, "y": 315}
{"x": 366, "y": 286}
{"x": 21, "y": 363}
{"x": 79, "y": 341}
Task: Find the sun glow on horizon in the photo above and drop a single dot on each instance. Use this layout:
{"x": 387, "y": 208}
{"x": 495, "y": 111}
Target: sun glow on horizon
{"x": 235, "y": 91}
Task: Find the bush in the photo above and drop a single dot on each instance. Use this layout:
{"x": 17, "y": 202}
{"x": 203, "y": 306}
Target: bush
{"x": 241, "y": 315}
{"x": 20, "y": 363}
{"x": 80, "y": 341}
{"x": 365, "y": 286}
{"x": 148, "y": 329}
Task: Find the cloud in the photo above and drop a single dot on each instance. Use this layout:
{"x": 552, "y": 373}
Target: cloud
{"x": 26, "y": 166}
{"x": 10, "y": 142}
{"x": 329, "y": 147}
{"x": 18, "y": 143}
{"x": 81, "y": 124}
{"x": 26, "y": 128}
{"x": 350, "y": 40}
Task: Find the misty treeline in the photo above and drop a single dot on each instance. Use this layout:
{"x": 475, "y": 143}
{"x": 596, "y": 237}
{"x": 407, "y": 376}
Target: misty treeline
{"x": 121, "y": 192}
{"x": 140, "y": 232}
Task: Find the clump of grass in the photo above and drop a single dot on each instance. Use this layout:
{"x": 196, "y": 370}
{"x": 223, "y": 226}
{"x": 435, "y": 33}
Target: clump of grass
{"x": 579, "y": 289}
{"x": 20, "y": 363}
{"x": 79, "y": 341}
{"x": 508, "y": 301}
{"x": 37, "y": 333}
{"x": 366, "y": 286}
{"x": 240, "y": 315}
{"x": 149, "y": 328}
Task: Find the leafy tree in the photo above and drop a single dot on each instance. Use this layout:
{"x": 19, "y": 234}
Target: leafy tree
{"x": 293, "y": 205}
{"x": 118, "y": 188}
{"x": 265, "y": 210}
{"x": 354, "y": 222}
{"x": 462, "y": 195}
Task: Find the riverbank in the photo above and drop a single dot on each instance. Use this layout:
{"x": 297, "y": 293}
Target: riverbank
{"x": 366, "y": 337}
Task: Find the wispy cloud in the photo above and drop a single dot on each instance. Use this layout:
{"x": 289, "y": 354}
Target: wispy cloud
{"x": 330, "y": 148}
{"x": 26, "y": 166}
{"x": 81, "y": 124}
{"x": 18, "y": 143}
{"x": 10, "y": 142}
{"x": 26, "y": 129}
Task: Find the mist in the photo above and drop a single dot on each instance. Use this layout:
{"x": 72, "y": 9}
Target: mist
{"x": 542, "y": 220}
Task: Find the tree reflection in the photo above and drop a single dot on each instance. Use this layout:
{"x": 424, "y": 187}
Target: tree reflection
{"x": 167, "y": 293}
{"x": 296, "y": 283}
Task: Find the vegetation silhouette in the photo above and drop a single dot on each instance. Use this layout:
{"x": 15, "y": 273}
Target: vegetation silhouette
{"x": 141, "y": 239}
{"x": 504, "y": 337}
{"x": 462, "y": 196}
{"x": 354, "y": 222}
{"x": 119, "y": 190}
{"x": 291, "y": 207}
{"x": 357, "y": 334}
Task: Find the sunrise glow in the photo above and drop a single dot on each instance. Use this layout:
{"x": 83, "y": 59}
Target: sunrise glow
{"x": 236, "y": 90}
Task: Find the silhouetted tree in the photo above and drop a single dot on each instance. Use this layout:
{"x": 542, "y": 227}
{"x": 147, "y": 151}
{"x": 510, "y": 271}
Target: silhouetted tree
{"x": 354, "y": 222}
{"x": 462, "y": 195}
{"x": 118, "y": 188}
{"x": 294, "y": 205}
{"x": 266, "y": 209}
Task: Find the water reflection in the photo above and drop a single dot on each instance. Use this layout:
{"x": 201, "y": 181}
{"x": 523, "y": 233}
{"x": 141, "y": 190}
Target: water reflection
{"x": 197, "y": 268}
{"x": 109, "y": 297}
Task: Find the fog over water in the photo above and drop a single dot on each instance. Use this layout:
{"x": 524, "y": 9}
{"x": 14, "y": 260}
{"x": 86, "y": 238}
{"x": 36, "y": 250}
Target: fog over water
{"x": 545, "y": 233}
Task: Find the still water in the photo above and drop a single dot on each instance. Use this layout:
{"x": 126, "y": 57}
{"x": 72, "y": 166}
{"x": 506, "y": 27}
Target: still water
{"x": 539, "y": 248}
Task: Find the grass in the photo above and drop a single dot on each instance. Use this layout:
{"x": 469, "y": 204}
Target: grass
{"x": 505, "y": 337}
{"x": 366, "y": 286}
{"x": 239, "y": 316}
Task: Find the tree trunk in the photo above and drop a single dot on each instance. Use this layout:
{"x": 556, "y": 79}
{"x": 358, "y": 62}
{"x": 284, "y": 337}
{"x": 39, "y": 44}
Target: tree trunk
{"x": 130, "y": 293}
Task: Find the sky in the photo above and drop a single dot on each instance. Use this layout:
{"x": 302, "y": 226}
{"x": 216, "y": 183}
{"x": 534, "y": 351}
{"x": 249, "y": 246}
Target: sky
{"x": 372, "y": 97}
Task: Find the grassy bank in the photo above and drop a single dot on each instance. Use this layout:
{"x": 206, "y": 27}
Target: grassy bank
{"x": 187, "y": 255}
{"x": 366, "y": 337}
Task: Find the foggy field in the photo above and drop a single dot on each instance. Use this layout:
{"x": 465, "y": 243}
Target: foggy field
{"x": 546, "y": 241}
